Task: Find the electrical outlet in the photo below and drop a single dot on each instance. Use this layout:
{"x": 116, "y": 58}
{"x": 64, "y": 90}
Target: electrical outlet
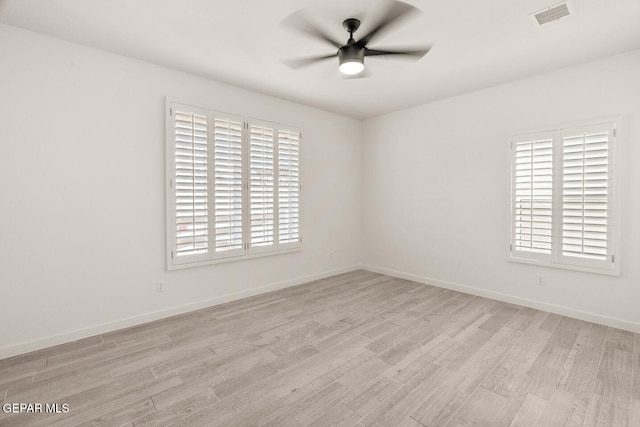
{"x": 540, "y": 280}
{"x": 160, "y": 287}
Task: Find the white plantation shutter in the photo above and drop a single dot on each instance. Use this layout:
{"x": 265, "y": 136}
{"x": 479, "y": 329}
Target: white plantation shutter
{"x": 586, "y": 196}
{"x": 563, "y": 205}
{"x": 533, "y": 195}
{"x": 233, "y": 187}
{"x": 190, "y": 182}
{"x": 261, "y": 186}
{"x": 227, "y": 198}
{"x": 288, "y": 186}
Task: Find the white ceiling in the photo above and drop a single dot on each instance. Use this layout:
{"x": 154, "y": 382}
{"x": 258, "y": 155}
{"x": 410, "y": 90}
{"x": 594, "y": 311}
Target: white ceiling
{"x": 476, "y": 44}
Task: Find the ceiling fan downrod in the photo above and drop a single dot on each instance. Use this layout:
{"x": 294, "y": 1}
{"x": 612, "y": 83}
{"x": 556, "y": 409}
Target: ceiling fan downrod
{"x": 351, "y": 56}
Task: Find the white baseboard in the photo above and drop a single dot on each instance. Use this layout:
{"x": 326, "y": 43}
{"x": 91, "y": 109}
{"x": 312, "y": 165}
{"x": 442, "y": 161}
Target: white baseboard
{"x": 540, "y": 305}
{"x": 40, "y": 343}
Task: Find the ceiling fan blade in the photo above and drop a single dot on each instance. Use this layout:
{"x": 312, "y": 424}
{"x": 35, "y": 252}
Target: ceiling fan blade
{"x": 391, "y": 16}
{"x": 416, "y": 53}
{"x": 304, "y": 62}
{"x": 300, "y": 22}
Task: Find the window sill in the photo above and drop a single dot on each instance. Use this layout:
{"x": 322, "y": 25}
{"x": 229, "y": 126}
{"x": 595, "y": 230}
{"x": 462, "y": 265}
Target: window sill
{"x": 614, "y": 271}
{"x": 172, "y": 267}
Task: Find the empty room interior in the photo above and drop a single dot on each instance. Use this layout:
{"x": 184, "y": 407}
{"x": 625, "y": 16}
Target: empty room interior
{"x": 316, "y": 213}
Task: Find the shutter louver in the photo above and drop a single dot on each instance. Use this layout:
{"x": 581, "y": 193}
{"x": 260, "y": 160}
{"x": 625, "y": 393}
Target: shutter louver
{"x": 288, "y": 186}
{"x": 533, "y": 196}
{"x": 232, "y": 187}
{"x": 227, "y": 197}
{"x": 261, "y": 186}
{"x": 585, "y": 196}
{"x": 564, "y": 201}
{"x": 191, "y": 210}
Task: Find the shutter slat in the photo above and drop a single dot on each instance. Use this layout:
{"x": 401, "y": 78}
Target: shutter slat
{"x": 533, "y": 195}
{"x": 288, "y": 186}
{"x": 191, "y": 207}
{"x": 227, "y": 186}
{"x": 585, "y": 176}
{"x": 261, "y": 187}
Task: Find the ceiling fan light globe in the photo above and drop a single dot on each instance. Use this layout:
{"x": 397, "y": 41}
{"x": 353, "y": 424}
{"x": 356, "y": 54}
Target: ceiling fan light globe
{"x": 351, "y": 59}
{"x": 352, "y": 67}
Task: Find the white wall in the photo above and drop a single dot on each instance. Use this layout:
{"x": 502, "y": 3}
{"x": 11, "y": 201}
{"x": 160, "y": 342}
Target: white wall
{"x": 82, "y": 239}
{"x": 436, "y": 190}
{"x": 82, "y": 195}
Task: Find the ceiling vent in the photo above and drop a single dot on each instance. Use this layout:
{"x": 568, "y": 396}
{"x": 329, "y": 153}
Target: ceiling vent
{"x": 552, "y": 13}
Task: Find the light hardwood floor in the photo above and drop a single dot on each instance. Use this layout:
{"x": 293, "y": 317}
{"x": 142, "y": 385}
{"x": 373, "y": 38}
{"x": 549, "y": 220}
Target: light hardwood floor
{"x": 359, "y": 349}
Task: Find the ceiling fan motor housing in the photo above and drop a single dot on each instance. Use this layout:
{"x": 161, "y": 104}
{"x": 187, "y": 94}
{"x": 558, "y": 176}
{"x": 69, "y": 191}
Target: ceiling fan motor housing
{"x": 351, "y": 53}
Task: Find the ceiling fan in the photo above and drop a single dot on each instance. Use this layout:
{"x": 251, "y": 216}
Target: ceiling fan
{"x": 351, "y": 55}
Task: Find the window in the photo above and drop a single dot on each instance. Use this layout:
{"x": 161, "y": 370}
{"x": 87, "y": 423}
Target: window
{"x": 233, "y": 187}
{"x": 563, "y": 210}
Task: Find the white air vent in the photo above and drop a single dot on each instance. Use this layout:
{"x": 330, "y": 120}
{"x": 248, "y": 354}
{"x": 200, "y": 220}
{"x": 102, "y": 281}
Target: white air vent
{"x": 552, "y": 13}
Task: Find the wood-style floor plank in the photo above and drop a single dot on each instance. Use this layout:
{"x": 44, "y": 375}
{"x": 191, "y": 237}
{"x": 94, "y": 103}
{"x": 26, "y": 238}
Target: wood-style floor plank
{"x": 358, "y": 349}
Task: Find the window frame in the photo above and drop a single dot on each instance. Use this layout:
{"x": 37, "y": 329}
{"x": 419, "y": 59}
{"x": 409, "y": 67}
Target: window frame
{"x": 609, "y": 266}
{"x": 212, "y": 257}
